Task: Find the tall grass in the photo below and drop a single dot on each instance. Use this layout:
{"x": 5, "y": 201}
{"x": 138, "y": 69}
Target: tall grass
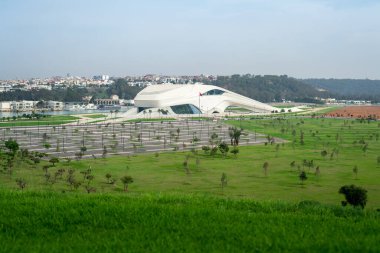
{"x": 53, "y": 222}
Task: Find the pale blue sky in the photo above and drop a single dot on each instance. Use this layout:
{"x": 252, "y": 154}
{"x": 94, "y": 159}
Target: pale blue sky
{"x": 300, "y": 38}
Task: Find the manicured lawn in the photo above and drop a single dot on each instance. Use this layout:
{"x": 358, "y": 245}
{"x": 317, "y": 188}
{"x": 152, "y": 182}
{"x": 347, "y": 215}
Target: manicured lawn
{"x": 52, "y": 120}
{"x": 95, "y": 116}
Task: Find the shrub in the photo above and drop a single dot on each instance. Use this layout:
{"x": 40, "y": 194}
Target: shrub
{"x": 223, "y": 147}
{"x": 126, "y": 180}
{"x": 206, "y": 149}
{"x": 355, "y": 195}
{"x": 303, "y": 176}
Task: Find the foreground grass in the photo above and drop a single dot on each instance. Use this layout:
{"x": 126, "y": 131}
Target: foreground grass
{"x": 53, "y": 222}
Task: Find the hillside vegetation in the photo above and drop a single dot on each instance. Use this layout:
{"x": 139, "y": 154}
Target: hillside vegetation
{"x": 267, "y": 88}
{"x": 361, "y": 89}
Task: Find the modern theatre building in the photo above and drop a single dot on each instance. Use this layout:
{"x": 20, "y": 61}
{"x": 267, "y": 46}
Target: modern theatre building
{"x": 195, "y": 99}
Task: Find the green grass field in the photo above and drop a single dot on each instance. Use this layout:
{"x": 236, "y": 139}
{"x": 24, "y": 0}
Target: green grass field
{"x": 246, "y": 178}
{"x": 53, "y": 222}
{"x": 169, "y": 210}
{"x": 95, "y": 116}
{"x": 53, "y": 120}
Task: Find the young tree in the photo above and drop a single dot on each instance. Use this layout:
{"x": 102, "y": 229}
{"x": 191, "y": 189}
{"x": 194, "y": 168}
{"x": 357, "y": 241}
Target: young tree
{"x": 324, "y": 153}
{"x": 104, "y": 153}
{"x": 303, "y": 176}
{"x": 214, "y": 140}
{"x": 206, "y": 149}
{"x": 21, "y": 183}
{"x": 235, "y": 151}
{"x": 223, "y": 180}
{"x": 302, "y": 142}
{"x": 317, "y": 171}
{"x": 266, "y": 167}
{"x": 86, "y": 173}
{"x": 365, "y": 148}
{"x": 89, "y": 179}
{"x": 186, "y": 164}
{"x": 126, "y": 180}
{"x": 355, "y": 170}
{"x": 355, "y": 195}
{"x": 108, "y": 176}
{"x": 83, "y": 149}
{"x": 277, "y": 149}
{"x": 223, "y": 147}
{"x": 90, "y": 189}
{"x": 234, "y": 134}
{"x": 12, "y": 146}
{"x": 293, "y": 164}
{"x": 54, "y": 160}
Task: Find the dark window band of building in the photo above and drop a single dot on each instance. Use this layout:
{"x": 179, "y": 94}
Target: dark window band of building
{"x": 185, "y": 109}
{"x": 213, "y": 92}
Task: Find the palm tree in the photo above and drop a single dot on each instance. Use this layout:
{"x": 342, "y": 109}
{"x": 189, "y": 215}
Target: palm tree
{"x": 150, "y": 113}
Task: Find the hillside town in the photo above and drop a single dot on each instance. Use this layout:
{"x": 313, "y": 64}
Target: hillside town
{"x": 87, "y": 103}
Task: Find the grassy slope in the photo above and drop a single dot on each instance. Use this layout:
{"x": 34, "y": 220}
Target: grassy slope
{"x": 329, "y": 134}
{"x": 245, "y": 174}
{"x": 174, "y": 223}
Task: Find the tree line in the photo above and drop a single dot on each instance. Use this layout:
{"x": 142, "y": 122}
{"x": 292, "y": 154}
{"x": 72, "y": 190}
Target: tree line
{"x": 267, "y": 88}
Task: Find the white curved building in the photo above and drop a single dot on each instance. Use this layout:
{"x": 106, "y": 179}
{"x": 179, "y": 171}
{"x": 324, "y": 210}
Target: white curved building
{"x": 195, "y": 99}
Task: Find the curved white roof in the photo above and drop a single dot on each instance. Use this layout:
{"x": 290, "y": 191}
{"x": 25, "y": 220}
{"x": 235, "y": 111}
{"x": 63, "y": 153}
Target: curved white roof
{"x": 167, "y": 95}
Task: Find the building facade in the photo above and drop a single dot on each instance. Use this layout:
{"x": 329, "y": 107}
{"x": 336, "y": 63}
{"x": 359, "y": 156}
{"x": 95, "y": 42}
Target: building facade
{"x": 195, "y": 99}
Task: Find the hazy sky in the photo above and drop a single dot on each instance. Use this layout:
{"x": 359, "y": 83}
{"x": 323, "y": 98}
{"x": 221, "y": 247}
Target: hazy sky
{"x": 300, "y": 38}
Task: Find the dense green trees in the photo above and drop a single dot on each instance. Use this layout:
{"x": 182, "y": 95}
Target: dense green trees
{"x": 67, "y": 95}
{"x": 123, "y": 90}
{"x": 267, "y": 88}
{"x": 359, "y": 89}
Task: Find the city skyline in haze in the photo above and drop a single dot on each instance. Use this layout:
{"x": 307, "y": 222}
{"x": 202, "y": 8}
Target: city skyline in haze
{"x": 299, "y": 38}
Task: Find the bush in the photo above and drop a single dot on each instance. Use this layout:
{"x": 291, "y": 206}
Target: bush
{"x": 355, "y": 195}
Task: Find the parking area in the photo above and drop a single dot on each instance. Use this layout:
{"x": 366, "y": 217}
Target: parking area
{"x": 122, "y": 138}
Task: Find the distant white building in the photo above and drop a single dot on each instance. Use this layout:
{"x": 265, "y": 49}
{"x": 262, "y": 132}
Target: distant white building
{"x": 23, "y": 105}
{"x": 195, "y": 99}
{"x": 5, "y": 87}
{"x": 113, "y": 100}
{"x": 54, "y": 105}
{"x": 78, "y": 106}
{"x": 5, "y": 106}
{"x": 101, "y": 78}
